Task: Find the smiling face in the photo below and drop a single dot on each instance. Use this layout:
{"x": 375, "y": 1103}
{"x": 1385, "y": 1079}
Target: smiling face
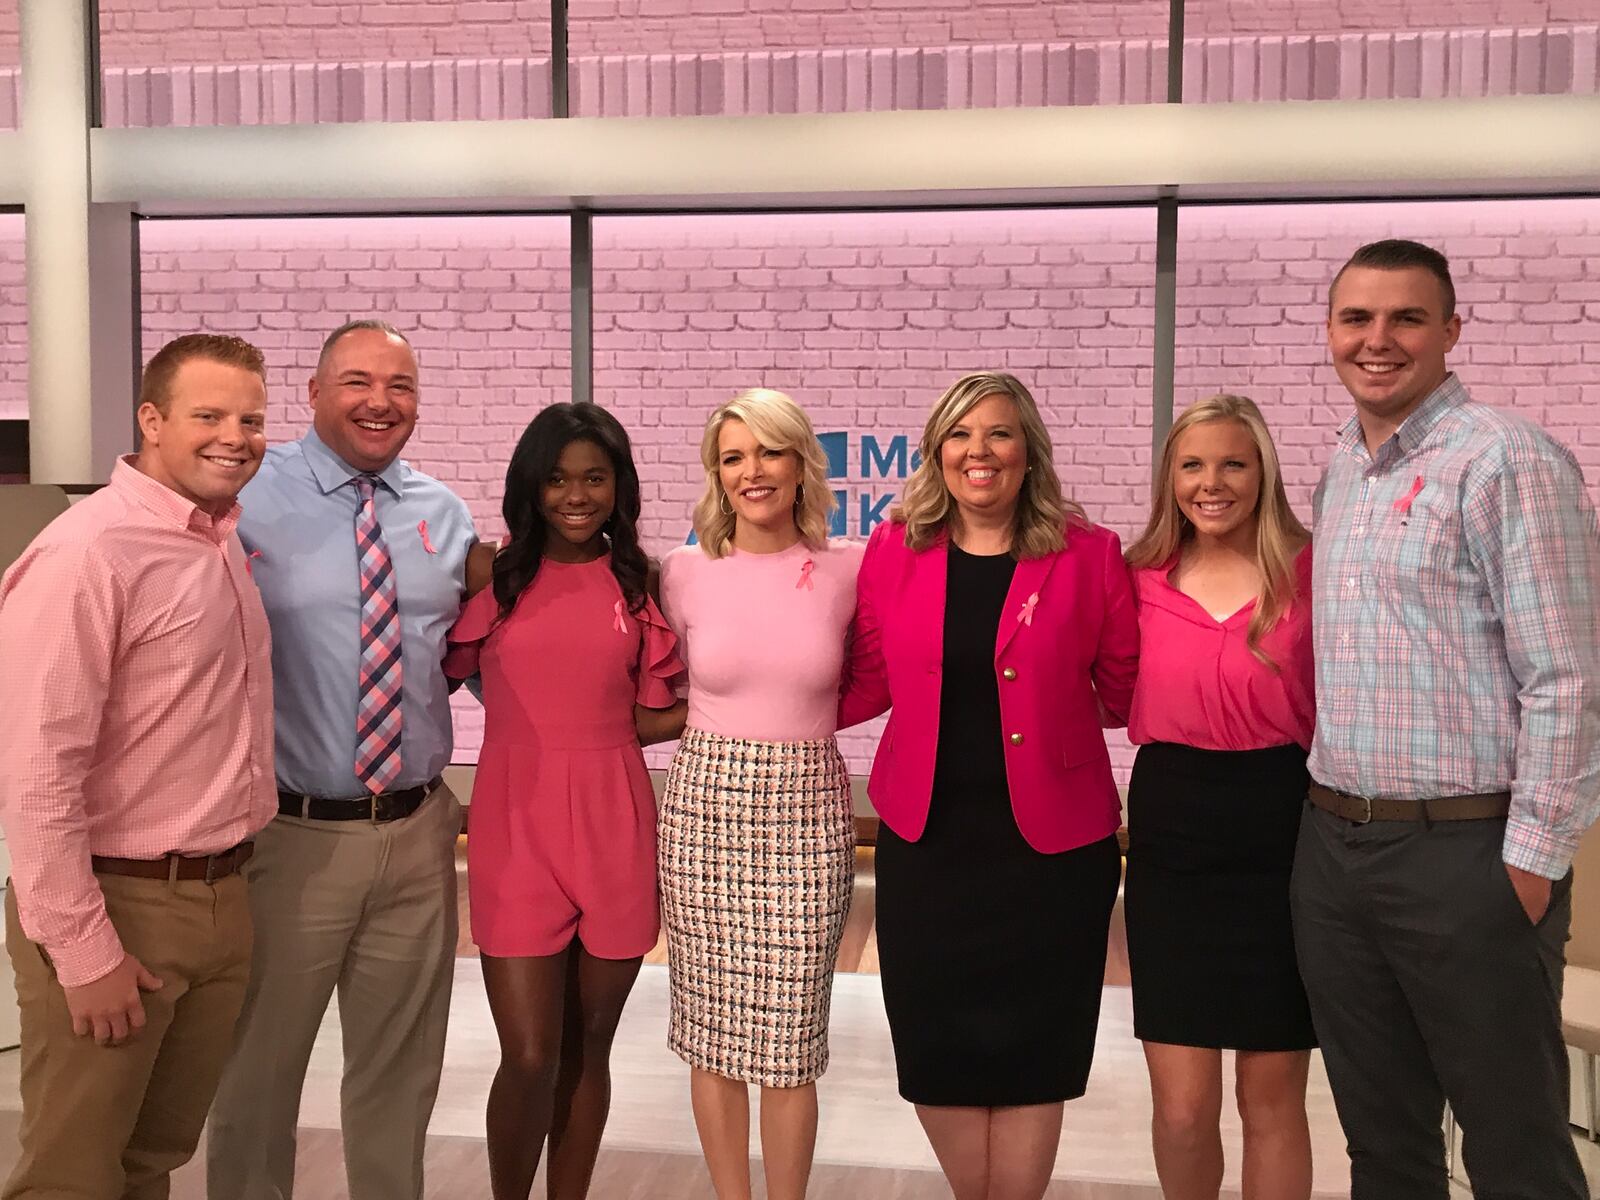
{"x": 761, "y": 482}
{"x": 364, "y": 398}
{"x": 1389, "y": 335}
{"x": 209, "y": 441}
{"x": 984, "y": 458}
{"x": 577, "y": 500}
{"x": 1216, "y": 479}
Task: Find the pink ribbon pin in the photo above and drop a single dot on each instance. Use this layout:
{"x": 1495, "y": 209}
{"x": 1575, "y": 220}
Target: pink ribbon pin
{"x": 617, "y": 622}
{"x": 1403, "y": 505}
{"x": 422, "y": 528}
{"x": 805, "y": 576}
{"x": 1026, "y": 615}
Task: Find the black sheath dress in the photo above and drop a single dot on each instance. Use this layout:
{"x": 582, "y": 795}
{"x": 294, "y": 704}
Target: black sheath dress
{"x": 992, "y": 954}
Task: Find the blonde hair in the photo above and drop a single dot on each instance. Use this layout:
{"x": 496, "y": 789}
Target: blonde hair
{"x": 1279, "y": 534}
{"x": 1043, "y": 513}
{"x": 778, "y": 423}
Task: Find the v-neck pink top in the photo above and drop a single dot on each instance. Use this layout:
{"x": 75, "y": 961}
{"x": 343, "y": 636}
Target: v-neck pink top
{"x": 1200, "y": 685}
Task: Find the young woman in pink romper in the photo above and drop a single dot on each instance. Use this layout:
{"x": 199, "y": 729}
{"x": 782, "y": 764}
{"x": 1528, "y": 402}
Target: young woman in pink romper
{"x": 576, "y": 664}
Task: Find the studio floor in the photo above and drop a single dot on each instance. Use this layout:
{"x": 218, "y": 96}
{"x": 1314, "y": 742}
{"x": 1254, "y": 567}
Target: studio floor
{"x": 869, "y": 1144}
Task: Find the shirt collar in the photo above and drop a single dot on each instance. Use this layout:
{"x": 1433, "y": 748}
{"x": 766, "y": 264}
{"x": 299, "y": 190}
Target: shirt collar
{"x": 167, "y": 504}
{"x": 331, "y": 472}
{"x": 1414, "y": 430}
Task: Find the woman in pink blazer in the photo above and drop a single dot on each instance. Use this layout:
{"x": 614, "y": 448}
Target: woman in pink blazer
{"x": 999, "y": 626}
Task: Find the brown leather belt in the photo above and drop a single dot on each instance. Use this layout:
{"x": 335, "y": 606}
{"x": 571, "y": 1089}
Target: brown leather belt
{"x": 385, "y": 806}
{"x": 209, "y": 867}
{"x": 1480, "y": 806}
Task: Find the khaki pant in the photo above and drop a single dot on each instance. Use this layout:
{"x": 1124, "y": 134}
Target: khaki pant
{"x": 369, "y": 910}
{"x": 102, "y": 1122}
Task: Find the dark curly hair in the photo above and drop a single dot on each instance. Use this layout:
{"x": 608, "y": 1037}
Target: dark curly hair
{"x": 533, "y": 462}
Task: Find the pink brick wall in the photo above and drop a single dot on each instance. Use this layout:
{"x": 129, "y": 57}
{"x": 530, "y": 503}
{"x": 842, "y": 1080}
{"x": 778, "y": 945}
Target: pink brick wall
{"x": 1558, "y": 60}
{"x": 193, "y": 62}
{"x": 1252, "y": 296}
{"x": 147, "y": 32}
{"x": 1205, "y": 18}
{"x": 13, "y": 322}
{"x": 865, "y": 317}
{"x": 10, "y": 56}
{"x": 151, "y": 32}
{"x": 484, "y": 301}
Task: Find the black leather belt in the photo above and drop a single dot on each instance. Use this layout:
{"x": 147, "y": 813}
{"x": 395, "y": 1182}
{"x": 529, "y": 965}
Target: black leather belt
{"x": 1481, "y": 806}
{"x": 385, "y": 806}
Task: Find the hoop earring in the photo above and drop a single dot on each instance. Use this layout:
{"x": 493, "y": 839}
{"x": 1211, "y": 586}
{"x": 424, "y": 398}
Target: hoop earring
{"x": 724, "y": 505}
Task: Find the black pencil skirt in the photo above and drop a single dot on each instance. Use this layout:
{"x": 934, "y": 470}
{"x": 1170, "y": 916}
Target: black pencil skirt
{"x": 1211, "y": 837}
{"x": 992, "y": 956}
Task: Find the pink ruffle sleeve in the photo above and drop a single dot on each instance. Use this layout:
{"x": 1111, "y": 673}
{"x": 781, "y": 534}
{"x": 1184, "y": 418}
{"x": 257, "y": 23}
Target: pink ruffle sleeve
{"x": 660, "y": 668}
{"x": 465, "y": 639}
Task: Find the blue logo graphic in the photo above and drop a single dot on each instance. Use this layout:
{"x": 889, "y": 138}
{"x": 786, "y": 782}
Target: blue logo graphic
{"x": 868, "y": 472}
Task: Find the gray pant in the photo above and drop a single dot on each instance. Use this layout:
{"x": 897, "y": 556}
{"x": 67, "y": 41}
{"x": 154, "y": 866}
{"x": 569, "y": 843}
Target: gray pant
{"x": 369, "y": 910}
{"x": 1428, "y": 982}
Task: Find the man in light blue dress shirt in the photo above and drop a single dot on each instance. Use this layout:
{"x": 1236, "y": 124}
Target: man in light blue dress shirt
{"x": 353, "y": 886}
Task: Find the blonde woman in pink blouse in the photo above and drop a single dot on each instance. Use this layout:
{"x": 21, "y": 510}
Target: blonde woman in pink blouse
{"x": 757, "y": 840}
{"x": 1222, "y": 714}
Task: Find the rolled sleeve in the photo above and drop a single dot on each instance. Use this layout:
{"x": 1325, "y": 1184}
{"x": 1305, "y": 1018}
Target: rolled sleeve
{"x": 1531, "y": 531}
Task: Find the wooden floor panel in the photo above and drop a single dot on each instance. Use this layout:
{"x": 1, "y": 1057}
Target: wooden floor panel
{"x": 457, "y": 1168}
{"x": 869, "y": 1144}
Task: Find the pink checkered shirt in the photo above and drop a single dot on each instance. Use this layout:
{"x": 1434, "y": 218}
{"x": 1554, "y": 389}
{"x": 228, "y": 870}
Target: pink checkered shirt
{"x": 135, "y": 678}
{"x": 1455, "y": 585}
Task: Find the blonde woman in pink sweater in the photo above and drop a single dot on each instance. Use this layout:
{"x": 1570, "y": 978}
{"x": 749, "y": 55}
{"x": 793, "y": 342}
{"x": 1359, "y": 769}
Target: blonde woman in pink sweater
{"x": 757, "y": 843}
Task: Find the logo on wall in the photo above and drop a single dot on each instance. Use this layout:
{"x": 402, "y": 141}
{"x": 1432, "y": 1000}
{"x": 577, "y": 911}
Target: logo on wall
{"x": 867, "y": 474}
{"x": 870, "y": 473}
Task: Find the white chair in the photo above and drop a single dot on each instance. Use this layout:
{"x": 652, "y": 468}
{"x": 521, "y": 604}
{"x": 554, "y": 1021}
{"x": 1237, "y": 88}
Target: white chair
{"x": 1580, "y": 1028}
{"x": 1580, "y": 997}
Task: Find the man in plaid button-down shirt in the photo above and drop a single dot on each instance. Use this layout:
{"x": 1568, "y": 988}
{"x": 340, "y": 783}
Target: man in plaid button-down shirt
{"x": 1456, "y": 762}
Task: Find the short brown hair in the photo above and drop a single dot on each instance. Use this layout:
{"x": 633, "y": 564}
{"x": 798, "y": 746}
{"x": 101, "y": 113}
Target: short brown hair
{"x": 1399, "y": 254}
{"x": 156, "y": 385}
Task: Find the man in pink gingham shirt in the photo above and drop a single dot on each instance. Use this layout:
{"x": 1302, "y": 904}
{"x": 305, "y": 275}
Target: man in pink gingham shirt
{"x": 135, "y": 767}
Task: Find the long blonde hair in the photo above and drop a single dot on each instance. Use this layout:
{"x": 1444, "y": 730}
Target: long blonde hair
{"x": 778, "y": 423}
{"x": 1043, "y": 513}
{"x": 1279, "y": 534}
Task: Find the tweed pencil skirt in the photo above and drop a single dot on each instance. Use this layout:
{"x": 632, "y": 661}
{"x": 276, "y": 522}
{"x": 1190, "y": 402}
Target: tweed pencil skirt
{"x": 757, "y": 857}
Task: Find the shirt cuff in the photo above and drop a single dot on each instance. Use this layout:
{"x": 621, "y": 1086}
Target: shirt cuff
{"x": 91, "y": 958}
{"x": 1532, "y": 847}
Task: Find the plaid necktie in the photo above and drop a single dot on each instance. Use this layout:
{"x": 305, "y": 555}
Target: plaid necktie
{"x": 378, "y": 694}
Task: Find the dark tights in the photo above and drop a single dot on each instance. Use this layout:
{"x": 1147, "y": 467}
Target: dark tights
{"x": 556, "y": 1017}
